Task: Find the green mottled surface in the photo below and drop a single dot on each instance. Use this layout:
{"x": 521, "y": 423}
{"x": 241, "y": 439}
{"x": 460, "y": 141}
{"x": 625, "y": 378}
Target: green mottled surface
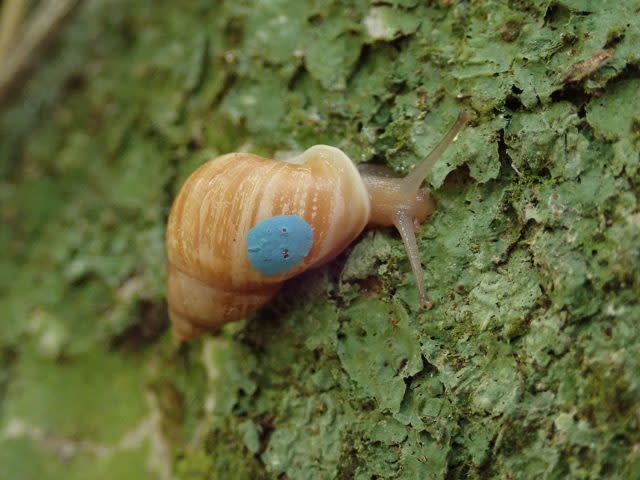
{"x": 528, "y": 364}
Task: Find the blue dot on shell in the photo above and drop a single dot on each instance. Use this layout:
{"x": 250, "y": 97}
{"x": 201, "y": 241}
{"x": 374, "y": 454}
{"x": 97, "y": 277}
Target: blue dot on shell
{"x": 278, "y": 244}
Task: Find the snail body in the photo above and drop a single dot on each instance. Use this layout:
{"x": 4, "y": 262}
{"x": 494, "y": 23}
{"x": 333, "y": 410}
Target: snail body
{"x": 242, "y": 225}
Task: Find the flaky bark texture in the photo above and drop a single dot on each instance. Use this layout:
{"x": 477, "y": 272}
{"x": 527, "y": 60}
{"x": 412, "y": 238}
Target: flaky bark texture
{"x": 528, "y": 364}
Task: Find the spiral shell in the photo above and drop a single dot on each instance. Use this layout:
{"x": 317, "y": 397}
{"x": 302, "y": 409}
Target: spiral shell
{"x": 211, "y": 279}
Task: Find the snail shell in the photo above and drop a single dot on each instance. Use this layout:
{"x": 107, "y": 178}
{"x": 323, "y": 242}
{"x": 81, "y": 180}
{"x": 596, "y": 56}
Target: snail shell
{"x": 210, "y": 278}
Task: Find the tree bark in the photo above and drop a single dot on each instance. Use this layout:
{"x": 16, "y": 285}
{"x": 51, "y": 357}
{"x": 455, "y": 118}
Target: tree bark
{"x": 528, "y": 364}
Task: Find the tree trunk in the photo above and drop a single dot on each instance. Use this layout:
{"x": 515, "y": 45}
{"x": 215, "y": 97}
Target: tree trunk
{"x": 528, "y": 364}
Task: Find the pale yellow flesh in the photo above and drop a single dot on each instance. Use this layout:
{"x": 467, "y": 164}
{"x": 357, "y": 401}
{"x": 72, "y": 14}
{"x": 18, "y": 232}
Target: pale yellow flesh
{"x": 403, "y": 203}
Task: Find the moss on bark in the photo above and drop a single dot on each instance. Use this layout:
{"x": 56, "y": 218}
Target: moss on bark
{"x": 528, "y": 364}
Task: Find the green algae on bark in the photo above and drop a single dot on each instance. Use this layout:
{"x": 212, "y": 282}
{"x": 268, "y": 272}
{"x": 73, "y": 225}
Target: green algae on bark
{"x": 527, "y": 364}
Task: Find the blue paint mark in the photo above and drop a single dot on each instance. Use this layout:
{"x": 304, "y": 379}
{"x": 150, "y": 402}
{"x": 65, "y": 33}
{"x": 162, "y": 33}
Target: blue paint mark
{"x": 278, "y": 244}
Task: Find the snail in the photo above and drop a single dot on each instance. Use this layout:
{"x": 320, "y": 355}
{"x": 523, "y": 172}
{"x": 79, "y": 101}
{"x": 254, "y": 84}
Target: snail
{"x": 242, "y": 225}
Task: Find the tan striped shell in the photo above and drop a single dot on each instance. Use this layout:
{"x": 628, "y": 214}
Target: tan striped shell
{"x": 210, "y": 280}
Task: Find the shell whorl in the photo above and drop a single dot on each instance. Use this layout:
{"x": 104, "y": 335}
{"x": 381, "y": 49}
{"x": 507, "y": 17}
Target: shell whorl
{"x": 210, "y": 280}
